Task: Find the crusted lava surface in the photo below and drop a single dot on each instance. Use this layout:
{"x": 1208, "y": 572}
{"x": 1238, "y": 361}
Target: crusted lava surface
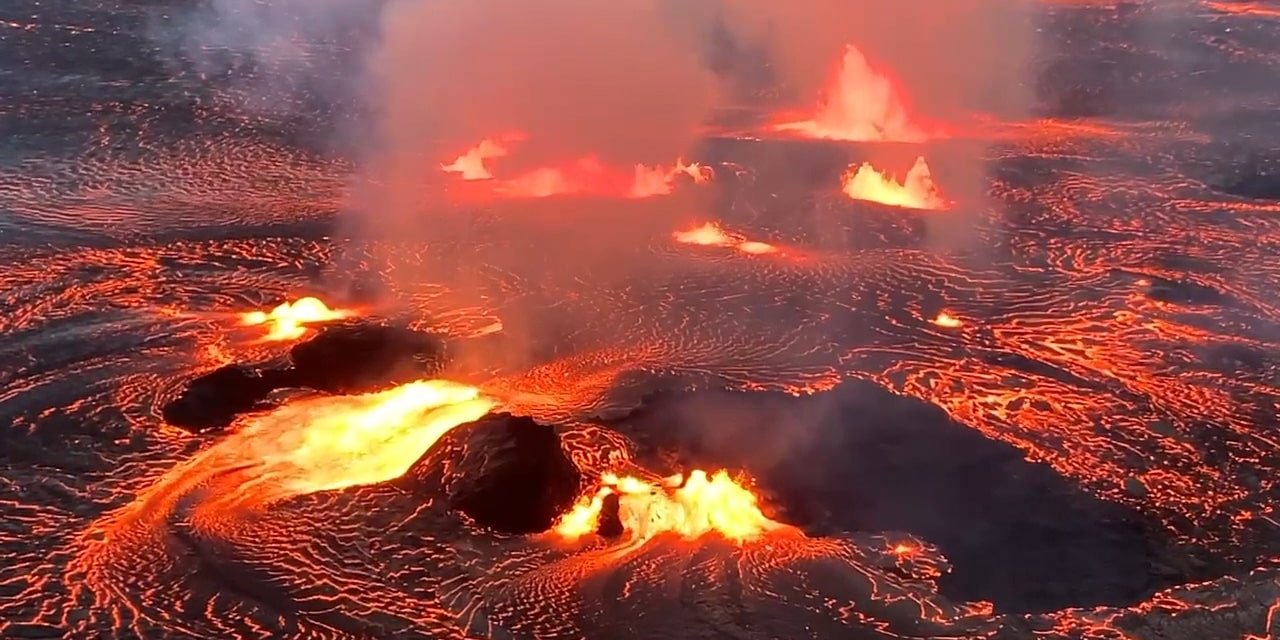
{"x": 350, "y": 358}
{"x": 515, "y": 477}
{"x": 359, "y": 358}
{"x": 859, "y": 458}
{"x": 1086, "y": 450}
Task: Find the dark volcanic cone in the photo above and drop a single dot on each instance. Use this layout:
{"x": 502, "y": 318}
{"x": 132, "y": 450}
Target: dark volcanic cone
{"x": 214, "y": 399}
{"x": 357, "y": 358}
{"x": 513, "y": 475}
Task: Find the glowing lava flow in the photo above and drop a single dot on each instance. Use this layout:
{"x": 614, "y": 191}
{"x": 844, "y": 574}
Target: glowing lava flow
{"x": 916, "y": 191}
{"x": 691, "y": 508}
{"x": 862, "y": 104}
{"x": 288, "y": 321}
{"x": 471, "y": 164}
{"x": 711, "y": 235}
{"x": 328, "y": 443}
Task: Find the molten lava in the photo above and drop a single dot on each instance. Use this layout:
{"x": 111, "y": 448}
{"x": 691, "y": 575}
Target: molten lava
{"x": 471, "y": 164}
{"x": 916, "y": 191}
{"x": 328, "y": 443}
{"x": 861, "y": 104}
{"x": 707, "y": 235}
{"x": 711, "y": 235}
{"x": 947, "y": 320}
{"x": 289, "y": 320}
{"x": 660, "y": 180}
{"x": 690, "y": 507}
{"x": 588, "y": 176}
{"x": 585, "y": 175}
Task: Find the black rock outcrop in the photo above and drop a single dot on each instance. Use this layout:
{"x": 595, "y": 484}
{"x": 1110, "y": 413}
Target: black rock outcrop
{"x": 349, "y": 358}
{"x": 513, "y": 475}
{"x": 214, "y": 399}
{"x": 362, "y": 358}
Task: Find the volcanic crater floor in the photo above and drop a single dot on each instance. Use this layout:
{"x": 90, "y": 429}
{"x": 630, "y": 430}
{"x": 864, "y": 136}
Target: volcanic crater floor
{"x": 1050, "y": 412}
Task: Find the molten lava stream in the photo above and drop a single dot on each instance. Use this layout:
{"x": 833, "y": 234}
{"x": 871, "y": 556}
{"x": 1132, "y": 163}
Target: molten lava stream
{"x": 690, "y": 507}
{"x": 916, "y": 191}
{"x": 289, "y": 320}
{"x": 861, "y": 104}
{"x": 303, "y": 447}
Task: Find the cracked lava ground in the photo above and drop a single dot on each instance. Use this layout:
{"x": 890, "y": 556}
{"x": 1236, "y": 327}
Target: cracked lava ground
{"x": 1066, "y": 427}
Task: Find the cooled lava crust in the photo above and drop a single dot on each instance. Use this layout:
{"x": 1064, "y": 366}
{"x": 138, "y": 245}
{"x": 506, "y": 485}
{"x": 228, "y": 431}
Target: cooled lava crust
{"x": 1110, "y": 393}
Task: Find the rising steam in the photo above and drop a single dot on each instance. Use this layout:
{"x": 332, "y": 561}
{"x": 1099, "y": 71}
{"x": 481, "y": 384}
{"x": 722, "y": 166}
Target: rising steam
{"x": 953, "y": 57}
{"x": 569, "y": 93}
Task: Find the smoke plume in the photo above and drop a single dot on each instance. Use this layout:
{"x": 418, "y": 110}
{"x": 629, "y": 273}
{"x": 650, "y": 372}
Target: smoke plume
{"x": 623, "y": 82}
{"x": 952, "y": 56}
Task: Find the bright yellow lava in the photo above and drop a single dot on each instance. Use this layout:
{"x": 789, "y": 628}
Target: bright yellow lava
{"x": 916, "y": 191}
{"x": 329, "y": 443}
{"x": 288, "y": 321}
{"x": 691, "y": 508}
{"x": 947, "y": 320}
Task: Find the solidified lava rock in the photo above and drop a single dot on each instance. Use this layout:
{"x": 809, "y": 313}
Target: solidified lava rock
{"x": 362, "y": 358}
{"x": 1261, "y": 186}
{"x": 515, "y": 477}
{"x": 1184, "y": 292}
{"x": 860, "y": 458}
{"x": 610, "y": 525}
{"x": 349, "y": 358}
{"x": 213, "y": 400}
{"x": 1249, "y": 174}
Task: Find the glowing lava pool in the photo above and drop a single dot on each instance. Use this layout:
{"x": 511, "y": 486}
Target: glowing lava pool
{"x": 873, "y": 338}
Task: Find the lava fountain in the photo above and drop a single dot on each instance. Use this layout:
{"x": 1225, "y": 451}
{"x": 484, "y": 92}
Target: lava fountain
{"x": 862, "y": 104}
{"x": 916, "y": 191}
{"x": 471, "y": 164}
{"x": 661, "y": 180}
{"x": 289, "y": 320}
{"x": 691, "y": 507}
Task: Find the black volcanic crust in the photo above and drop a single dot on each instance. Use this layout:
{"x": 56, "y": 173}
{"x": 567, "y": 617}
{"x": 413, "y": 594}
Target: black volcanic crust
{"x": 214, "y": 399}
{"x": 860, "y": 458}
{"x": 1183, "y": 292}
{"x": 361, "y": 358}
{"x": 517, "y": 478}
{"x": 507, "y": 473}
{"x": 1260, "y": 186}
{"x": 349, "y": 358}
